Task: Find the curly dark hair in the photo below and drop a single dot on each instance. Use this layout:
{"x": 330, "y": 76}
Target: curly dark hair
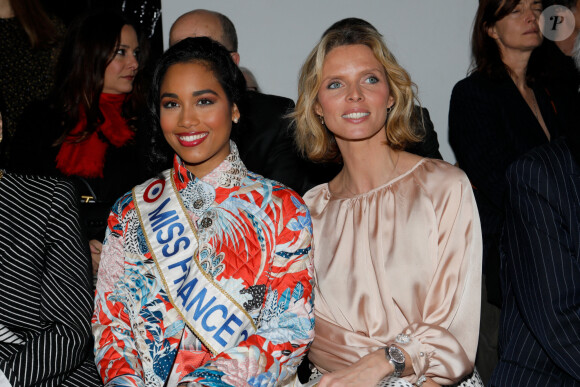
{"x": 191, "y": 50}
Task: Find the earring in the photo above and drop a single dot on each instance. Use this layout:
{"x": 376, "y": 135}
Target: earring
{"x": 389, "y": 109}
{"x": 321, "y": 120}
{"x": 236, "y": 120}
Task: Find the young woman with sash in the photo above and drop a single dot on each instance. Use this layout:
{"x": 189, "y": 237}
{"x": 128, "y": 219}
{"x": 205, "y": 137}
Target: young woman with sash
{"x": 205, "y": 277}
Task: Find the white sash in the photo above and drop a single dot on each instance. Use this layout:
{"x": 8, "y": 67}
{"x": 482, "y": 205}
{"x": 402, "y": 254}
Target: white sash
{"x": 211, "y": 313}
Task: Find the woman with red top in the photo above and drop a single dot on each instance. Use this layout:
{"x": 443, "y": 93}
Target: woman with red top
{"x": 86, "y": 129}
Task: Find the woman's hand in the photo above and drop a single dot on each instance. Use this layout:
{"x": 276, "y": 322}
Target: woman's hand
{"x": 96, "y": 248}
{"x": 366, "y": 372}
{"x": 430, "y": 383}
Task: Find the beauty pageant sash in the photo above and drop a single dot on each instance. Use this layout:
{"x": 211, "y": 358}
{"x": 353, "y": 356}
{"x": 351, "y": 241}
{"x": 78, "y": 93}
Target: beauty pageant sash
{"x": 211, "y": 313}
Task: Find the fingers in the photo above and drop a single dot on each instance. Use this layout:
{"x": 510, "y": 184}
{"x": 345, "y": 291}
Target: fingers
{"x": 96, "y": 248}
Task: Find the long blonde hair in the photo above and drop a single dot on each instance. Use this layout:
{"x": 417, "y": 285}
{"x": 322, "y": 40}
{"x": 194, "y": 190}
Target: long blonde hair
{"x": 314, "y": 140}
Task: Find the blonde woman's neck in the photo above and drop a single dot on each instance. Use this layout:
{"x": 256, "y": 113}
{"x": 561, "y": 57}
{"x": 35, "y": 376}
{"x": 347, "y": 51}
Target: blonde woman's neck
{"x": 367, "y": 165}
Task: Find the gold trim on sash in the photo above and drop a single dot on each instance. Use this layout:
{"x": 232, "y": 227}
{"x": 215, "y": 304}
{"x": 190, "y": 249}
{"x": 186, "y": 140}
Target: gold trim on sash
{"x": 205, "y": 274}
{"x": 195, "y": 259}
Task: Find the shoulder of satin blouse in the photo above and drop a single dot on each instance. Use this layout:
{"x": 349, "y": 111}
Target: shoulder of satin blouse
{"x": 439, "y": 174}
{"x": 436, "y": 178}
{"x": 441, "y": 181}
{"x": 316, "y": 198}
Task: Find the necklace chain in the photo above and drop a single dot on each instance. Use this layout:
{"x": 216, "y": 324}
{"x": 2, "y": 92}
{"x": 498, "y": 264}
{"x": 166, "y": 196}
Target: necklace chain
{"x": 388, "y": 177}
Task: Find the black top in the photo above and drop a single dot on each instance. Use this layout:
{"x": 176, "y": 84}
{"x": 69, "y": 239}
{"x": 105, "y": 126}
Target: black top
{"x": 490, "y": 126}
{"x": 557, "y": 72}
{"x": 26, "y": 75}
{"x": 34, "y": 153}
{"x": 265, "y": 140}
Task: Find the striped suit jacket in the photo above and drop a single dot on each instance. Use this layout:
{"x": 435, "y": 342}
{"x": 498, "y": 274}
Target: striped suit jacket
{"x": 45, "y": 289}
{"x": 540, "y": 321}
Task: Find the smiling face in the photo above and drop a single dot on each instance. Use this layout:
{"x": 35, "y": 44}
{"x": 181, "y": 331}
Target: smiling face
{"x": 519, "y": 30}
{"x": 121, "y": 71}
{"x": 354, "y": 94}
{"x": 196, "y": 116}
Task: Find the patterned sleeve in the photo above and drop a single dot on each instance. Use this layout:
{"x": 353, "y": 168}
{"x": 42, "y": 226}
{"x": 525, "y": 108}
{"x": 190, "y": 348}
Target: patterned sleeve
{"x": 286, "y": 325}
{"x": 115, "y": 351}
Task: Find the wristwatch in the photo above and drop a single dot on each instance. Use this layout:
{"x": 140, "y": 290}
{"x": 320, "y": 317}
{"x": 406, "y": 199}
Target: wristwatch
{"x": 397, "y": 358}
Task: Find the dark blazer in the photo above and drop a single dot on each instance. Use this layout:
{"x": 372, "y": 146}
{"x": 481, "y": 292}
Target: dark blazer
{"x": 490, "y": 126}
{"x": 46, "y": 299}
{"x": 559, "y": 74}
{"x": 265, "y": 141}
{"x": 422, "y": 124}
{"x": 540, "y": 267}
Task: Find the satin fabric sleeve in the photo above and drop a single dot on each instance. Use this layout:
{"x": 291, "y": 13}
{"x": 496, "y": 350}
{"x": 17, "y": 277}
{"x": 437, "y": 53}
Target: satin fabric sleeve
{"x": 445, "y": 341}
{"x": 286, "y": 327}
{"x": 116, "y": 356}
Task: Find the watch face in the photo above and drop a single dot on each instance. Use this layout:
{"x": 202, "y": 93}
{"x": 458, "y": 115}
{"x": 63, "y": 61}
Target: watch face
{"x": 397, "y": 355}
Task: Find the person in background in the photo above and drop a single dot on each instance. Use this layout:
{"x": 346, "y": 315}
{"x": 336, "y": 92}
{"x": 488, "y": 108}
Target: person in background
{"x": 86, "y": 130}
{"x": 540, "y": 319}
{"x": 217, "y": 257}
{"x": 554, "y": 69}
{"x": 45, "y": 289}
{"x": 497, "y": 114}
{"x": 396, "y": 236}
{"x": 251, "y": 82}
{"x": 29, "y": 46}
{"x": 576, "y": 54}
{"x": 567, "y": 45}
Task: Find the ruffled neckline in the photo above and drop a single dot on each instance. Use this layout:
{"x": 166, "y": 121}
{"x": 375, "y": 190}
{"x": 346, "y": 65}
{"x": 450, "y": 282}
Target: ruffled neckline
{"x": 228, "y": 174}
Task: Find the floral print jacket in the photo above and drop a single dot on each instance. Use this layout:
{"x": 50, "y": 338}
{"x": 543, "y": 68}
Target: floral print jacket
{"x": 254, "y": 240}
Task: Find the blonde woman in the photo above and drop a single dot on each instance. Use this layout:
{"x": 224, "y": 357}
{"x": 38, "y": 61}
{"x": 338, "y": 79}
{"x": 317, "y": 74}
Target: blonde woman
{"x": 397, "y": 236}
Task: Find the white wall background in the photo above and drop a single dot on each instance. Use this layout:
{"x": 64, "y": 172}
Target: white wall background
{"x": 430, "y": 39}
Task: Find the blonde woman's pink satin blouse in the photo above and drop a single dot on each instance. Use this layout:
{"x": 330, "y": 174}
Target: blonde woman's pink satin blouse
{"x": 402, "y": 258}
